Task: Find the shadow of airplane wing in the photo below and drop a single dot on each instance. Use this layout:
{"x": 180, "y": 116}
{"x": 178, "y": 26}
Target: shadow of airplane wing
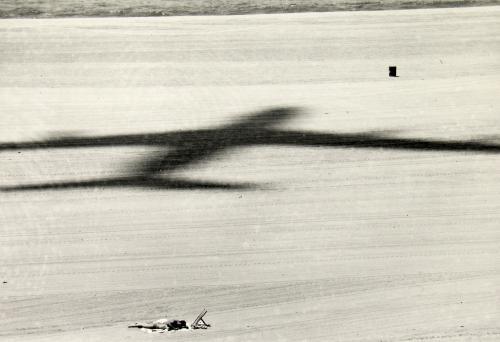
{"x": 259, "y": 120}
{"x": 378, "y": 141}
{"x": 150, "y": 139}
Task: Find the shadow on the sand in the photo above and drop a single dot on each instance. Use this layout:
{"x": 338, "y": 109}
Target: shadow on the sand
{"x": 187, "y": 148}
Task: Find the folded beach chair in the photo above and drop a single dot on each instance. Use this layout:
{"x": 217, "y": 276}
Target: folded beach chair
{"x": 199, "y": 323}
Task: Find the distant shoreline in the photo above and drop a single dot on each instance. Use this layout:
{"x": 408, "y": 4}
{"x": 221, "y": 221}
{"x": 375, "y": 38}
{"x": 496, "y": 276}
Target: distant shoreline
{"x": 156, "y": 8}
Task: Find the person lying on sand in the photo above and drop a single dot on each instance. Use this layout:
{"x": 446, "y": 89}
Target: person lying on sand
{"x": 162, "y": 324}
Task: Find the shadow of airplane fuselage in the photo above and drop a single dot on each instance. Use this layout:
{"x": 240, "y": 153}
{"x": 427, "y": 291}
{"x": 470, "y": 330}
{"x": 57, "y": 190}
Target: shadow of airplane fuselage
{"x": 195, "y": 146}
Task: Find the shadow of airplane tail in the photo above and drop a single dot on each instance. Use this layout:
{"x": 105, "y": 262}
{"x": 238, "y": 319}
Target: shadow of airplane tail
{"x": 151, "y": 183}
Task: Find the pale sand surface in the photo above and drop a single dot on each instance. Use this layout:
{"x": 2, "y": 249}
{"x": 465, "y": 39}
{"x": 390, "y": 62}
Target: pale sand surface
{"x": 340, "y": 245}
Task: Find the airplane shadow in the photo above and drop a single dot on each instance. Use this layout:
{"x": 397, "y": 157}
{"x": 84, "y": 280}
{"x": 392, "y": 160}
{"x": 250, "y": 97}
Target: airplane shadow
{"x": 134, "y": 182}
{"x": 189, "y": 147}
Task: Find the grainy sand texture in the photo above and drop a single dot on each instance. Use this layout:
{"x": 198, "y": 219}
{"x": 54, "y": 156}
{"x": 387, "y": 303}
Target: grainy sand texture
{"x": 333, "y": 243}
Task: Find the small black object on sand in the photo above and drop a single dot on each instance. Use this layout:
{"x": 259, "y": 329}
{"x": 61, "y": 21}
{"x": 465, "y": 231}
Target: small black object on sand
{"x": 392, "y": 71}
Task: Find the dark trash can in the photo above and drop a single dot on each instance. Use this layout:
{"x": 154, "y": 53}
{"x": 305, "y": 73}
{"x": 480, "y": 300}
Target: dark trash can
{"x": 392, "y": 71}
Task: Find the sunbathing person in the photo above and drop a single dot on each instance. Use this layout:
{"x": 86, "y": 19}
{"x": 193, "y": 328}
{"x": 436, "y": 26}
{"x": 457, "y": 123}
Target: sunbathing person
{"x": 162, "y": 324}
